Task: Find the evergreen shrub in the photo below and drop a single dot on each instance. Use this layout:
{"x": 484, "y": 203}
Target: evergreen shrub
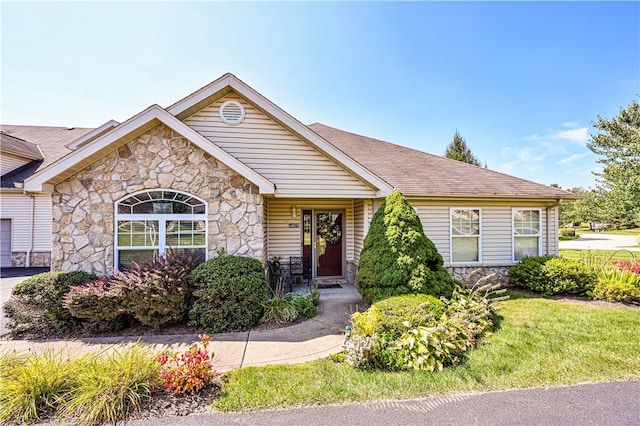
{"x": 551, "y": 275}
{"x": 398, "y": 258}
{"x": 36, "y": 303}
{"x": 229, "y": 292}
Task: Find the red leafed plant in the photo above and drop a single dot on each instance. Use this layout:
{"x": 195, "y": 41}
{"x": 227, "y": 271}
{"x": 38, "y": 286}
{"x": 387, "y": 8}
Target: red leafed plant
{"x": 190, "y": 371}
{"x": 628, "y": 266}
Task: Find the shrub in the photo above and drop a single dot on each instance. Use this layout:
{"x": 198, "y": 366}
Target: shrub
{"x": 101, "y": 302}
{"x": 36, "y": 303}
{"x": 397, "y": 257}
{"x": 420, "y": 334}
{"x": 567, "y": 232}
{"x": 290, "y": 307}
{"x": 190, "y": 371}
{"x": 567, "y": 276}
{"x": 32, "y": 385}
{"x": 158, "y": 292}
{"x": 617, "y": 285}
{"x": 229, "y": 292}
{"x": 528, "y": 273}
{"x": 552, "y": 275}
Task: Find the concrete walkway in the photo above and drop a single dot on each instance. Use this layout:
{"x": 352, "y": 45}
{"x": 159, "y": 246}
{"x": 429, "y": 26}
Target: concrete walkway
{"x": 312, "y": 339}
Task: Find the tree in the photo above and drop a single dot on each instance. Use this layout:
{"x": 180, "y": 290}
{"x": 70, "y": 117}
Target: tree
{"x": 618, "y": 144}
{"x": 458, "y": 150}
{"x": 589, "y": 208}
{"x": 398, "y": 258}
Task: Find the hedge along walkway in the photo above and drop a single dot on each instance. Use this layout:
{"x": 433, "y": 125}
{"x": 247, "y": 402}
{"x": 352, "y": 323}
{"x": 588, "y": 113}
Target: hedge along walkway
{"x": 309, "y": 340}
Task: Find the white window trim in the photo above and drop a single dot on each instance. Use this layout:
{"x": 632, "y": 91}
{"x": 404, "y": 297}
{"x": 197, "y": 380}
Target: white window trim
{"x": 162, "y": 224}
{"x": 451, "y": 236}
{"x": 513, "y": 231}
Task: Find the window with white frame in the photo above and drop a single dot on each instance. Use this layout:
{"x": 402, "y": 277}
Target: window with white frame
{"x": 526, "y": 233}
{"x": 465, "y": 235}
{"x": 150, "y": 223}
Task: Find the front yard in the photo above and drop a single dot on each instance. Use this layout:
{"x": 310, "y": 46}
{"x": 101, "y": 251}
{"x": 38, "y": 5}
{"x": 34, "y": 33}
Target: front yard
{"x": 539, "y": 342}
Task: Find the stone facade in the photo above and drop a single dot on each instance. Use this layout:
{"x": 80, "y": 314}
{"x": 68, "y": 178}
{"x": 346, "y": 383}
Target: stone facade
{"x": 470, "y": 275}
{"x": 83, "y": 204}
{"x": 38, "y": 259}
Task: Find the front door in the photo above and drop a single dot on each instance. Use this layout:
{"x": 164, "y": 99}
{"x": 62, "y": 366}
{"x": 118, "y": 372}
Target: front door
{"x": 323, "y": 242}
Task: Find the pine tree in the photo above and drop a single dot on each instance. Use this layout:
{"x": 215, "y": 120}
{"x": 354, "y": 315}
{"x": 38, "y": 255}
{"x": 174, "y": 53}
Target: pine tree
{"x": 458, "y": 150}
{"x": 398, "y": 258}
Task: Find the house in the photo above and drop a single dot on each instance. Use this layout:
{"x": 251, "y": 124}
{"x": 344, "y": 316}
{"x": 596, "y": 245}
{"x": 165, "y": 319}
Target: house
{"x": 225, "y": 168}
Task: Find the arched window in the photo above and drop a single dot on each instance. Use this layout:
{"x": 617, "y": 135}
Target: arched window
{"x": 155, "y": 221}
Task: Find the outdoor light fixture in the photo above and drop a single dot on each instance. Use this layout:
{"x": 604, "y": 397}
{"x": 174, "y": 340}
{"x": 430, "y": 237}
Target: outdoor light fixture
{"x": 294, "y": 212}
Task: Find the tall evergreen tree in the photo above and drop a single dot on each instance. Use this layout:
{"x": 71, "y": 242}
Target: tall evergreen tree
{"x": 398, "y": 258}
{"x": 458, "y": 150}
{"x": 618, "y": 144}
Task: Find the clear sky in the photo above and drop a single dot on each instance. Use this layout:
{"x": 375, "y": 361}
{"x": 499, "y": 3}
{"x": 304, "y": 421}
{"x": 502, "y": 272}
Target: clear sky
{"x": 521, "y": 81}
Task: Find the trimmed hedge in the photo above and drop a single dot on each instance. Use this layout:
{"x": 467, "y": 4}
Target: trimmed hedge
{"x": 551, "y": 275}
{"x": 229, "y": 292}
{"x": 398, "y": 258}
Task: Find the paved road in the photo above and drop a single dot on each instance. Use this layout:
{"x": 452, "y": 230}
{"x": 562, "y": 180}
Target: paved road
{"x": 599, "y": 241}
{"x": 615, "y": 403}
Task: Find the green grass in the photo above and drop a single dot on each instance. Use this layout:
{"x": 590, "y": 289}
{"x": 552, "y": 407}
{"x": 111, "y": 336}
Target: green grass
{"x": 632, "y": 231}
{"x": 538, "y": 343}
{"x": 599, "y": 257}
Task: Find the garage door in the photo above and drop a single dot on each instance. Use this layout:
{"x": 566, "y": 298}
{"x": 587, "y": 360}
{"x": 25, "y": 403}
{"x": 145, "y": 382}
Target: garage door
{"x": 5, "y": 243}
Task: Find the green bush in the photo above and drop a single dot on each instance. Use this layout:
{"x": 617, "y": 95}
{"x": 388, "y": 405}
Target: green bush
{"x": 567, "y": 232}
{"x": 419, "y": 332}
{"x": 552, "y": 275}
{"x": 229, "y": 292}
{"x": 398, "y": 258}
{"x": 528, "y": 272}
{"x": 567, "y": 276}
{"x": 158, "y": 292}
{"x": 36, "y": 303}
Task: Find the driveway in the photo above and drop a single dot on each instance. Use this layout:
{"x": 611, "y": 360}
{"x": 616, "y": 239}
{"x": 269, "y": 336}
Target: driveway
{"x": 9, "y": 277}
{"x": 599, "y": 241}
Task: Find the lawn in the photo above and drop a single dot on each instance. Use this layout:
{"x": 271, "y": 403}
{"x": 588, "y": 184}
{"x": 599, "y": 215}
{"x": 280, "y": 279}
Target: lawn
{"x": 599, "y": 257}
{"x": 538, "y": 342}
{"x": 632, "y": 231}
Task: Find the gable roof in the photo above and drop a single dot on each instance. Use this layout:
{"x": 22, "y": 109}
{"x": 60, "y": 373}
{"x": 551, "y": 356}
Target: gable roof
{"x": 135, "y": 126}
{"x": 50, "y": 140}
{"x": 16, "y": 146}
{"x": 417, "y": 173}
{"x": 230, "y": 83}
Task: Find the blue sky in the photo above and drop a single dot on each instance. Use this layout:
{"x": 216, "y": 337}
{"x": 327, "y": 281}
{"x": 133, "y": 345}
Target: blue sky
{"x": 521, "y": 82}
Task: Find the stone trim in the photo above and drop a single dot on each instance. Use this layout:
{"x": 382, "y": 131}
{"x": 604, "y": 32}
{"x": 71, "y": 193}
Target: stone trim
{"x": 469, "y": 275}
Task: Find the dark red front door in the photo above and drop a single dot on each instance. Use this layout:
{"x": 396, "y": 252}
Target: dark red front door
{"x": 328, "y": 243}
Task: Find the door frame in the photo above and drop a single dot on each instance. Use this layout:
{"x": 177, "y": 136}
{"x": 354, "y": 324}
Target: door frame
{"x": 313, "y": 266}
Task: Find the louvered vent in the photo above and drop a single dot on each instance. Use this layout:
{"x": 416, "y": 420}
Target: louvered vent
{"x": 232, "y": 112}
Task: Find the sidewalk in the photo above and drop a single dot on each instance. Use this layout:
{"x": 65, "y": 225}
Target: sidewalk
{"x": 602, "y": 242}
{"x": 309, "y": 340}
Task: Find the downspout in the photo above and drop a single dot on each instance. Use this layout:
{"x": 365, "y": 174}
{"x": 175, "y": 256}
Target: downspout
{"x": 32, "y": 230}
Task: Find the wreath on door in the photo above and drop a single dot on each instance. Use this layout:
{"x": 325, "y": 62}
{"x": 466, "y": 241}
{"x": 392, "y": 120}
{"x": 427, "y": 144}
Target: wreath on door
{"x": 331, "y": 231}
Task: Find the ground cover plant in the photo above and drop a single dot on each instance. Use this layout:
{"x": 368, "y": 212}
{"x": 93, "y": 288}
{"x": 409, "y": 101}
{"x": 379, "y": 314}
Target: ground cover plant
{"x": 538, "y": 342}
{"x": 397, "y": 257}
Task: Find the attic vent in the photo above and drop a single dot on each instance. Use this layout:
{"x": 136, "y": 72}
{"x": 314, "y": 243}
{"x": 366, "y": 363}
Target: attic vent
{"x": 232, "y": 112}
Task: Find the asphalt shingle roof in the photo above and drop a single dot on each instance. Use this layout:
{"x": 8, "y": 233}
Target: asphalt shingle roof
{"x": 418, "y": 173}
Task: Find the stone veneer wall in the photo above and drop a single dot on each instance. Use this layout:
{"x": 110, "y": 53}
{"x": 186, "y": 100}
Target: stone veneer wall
{"x": 38, "y": 259}
{"x": 83, "y": 204}
{"x": 470, "y": 275}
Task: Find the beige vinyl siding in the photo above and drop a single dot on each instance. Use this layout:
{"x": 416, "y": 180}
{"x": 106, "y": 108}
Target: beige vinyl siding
{"x": 294, "y": 166}
{"x": 496, "y": 232}
{"x": 284, "y": 241}
{"x": 9, "y": 163}
{"x": 17, "y": 207}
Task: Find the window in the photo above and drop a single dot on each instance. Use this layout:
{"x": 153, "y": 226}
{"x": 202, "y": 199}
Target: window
{"x": 526, "y": 233}
{"x": 153, "y": 222}
{"x": 465, "y": 235}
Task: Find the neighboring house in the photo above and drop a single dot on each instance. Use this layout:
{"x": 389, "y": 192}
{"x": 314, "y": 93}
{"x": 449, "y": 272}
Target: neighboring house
{"x": 225, "y": 168}
{"x": 25, "y": 218}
